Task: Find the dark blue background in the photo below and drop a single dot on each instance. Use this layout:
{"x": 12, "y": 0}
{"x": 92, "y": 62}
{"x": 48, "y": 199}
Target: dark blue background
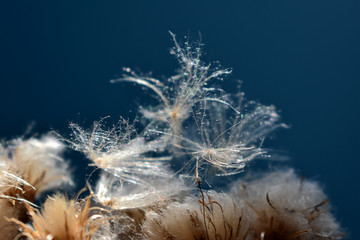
{"x": 57, "y": 57}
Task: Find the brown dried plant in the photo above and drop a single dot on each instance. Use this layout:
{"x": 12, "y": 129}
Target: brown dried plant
{"x": 60, "y": 219}
{"x": 282, "y": 206}
{"x": 219, "y": 217}
{"x": 28, "y": 167}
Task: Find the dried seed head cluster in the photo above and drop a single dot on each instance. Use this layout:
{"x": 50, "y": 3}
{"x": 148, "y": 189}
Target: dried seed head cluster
{"x": 28, "y": 167}
{"x": 196, "y": 132}
{"x": 276, "y": 206}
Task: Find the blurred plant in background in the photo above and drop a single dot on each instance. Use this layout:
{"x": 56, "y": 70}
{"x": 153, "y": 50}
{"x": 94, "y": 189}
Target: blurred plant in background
{"x": 153, "y": 180}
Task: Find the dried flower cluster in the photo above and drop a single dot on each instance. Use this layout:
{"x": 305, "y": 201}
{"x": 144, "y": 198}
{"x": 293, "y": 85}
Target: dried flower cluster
{"x": 157, "y": 183}
{"x": 28, "y": 168}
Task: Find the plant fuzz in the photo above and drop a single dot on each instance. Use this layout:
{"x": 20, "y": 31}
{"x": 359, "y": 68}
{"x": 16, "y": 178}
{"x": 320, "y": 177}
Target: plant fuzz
{"x": 156, "y": 181}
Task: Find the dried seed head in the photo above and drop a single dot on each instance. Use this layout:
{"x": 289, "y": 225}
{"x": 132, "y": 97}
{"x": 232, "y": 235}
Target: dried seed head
{"x": 222, "y": 219}
{"x": 120, "y": 152}
{"x": 180, "y": 92}
{"x": 61, "y": 219}
{"x": 38, "y": 162}
{"x": 111, "y": 193}
{"x": 282, "y": 206}
{"x": 28, "y": 167}
{"x": 225, "y": 138}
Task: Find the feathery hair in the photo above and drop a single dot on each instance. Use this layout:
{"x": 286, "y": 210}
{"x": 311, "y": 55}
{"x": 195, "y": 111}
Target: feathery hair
{"x": 111, "y": 193}
{"x": 224, "y": 137}
{"x": 179, "y": 92}
{"x": 120, "y": 151}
